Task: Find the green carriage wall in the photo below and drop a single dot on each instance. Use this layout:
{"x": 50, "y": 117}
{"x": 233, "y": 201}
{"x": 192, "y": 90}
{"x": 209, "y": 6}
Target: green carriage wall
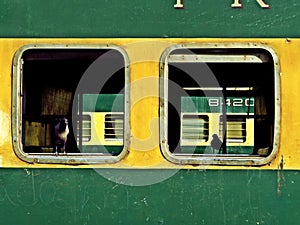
{"x": 82, "y": 196}
{"x": 151, "y": 18}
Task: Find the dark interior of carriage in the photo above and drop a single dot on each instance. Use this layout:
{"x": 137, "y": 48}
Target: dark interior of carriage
{"x": 50, "y": 84}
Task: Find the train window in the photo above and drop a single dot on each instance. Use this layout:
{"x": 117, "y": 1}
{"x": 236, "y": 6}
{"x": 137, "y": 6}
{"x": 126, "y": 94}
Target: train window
{"x": 219, "y": 104}
{"x": 85, "y": 128}
{"x": 70, "y": 104}
{"x": 194, "y": 128}
{"x": 236, "y": 129}
{"x": 113, "y": 130}
{"x": 102, "y": 126}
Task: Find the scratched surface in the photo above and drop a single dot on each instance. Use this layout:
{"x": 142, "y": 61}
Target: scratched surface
{"x": 152, "y": 18}
{"x": 82, "y": 196}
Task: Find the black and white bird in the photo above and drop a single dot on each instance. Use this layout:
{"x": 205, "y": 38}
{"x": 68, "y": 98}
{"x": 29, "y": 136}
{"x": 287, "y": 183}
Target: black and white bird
{"x": 216, "y": 143}
{"x": 61, "y": 134}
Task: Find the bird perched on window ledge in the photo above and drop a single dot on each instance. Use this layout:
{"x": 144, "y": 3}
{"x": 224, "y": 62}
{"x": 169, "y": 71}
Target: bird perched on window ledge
{"x": 61, "y": 134}
{"x": 216, "y": 144}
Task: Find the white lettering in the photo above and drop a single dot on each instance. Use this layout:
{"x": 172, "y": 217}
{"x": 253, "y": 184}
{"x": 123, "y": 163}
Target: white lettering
{"x": 213, "y": 102}
{"x": 263, "y": 4}
{"x": 179, "y": 4}
{"x": 235, "y": 4}
{"x": 238, "y": 4}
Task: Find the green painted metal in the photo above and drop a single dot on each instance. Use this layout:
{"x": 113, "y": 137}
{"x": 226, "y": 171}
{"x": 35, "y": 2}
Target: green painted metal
{"x": 103, "y": 103}
{"x": 84, "y": 197}
{"x": 114, "y": 150}
{"x": 208, "y": 150}
{"x": 152, "y": 18}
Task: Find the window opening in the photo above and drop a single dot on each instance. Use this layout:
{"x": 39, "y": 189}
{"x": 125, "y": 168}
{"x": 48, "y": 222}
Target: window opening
{"x": 113, "y": 127}
{"x": 236, "y": 129}
{"x": 194, "y": 128}
{"x": 86, "y": 129}
{"x": 220, "y": 91}
{"x": 50, "y": 83}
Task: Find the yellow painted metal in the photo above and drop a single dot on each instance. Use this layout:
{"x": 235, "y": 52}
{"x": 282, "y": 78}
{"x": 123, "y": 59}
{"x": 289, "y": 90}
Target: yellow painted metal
{"x": 144, "y": 56}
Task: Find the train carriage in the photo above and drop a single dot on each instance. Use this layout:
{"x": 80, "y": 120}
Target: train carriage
{"x": 157, "y": 112}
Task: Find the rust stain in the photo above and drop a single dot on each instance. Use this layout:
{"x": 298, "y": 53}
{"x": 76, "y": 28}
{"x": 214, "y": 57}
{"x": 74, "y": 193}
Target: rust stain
{"x": 280, "y": 176}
